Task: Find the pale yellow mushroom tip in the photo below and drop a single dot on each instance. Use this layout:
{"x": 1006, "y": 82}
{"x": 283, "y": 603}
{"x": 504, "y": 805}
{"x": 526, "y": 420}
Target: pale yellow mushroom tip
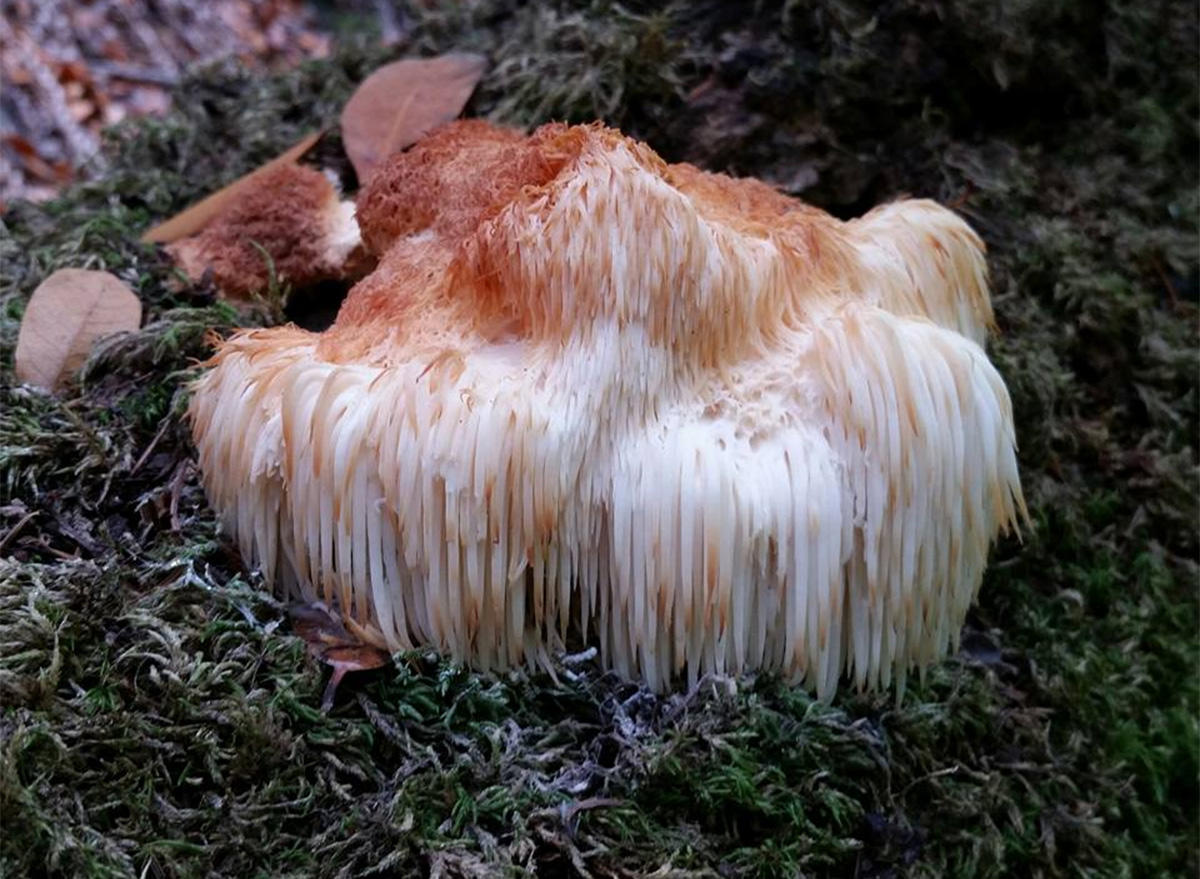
{"x": 712, "y": 428}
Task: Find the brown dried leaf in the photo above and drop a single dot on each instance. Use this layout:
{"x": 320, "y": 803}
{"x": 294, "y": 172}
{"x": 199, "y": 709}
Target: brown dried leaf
{"x": 196, "y": 217}
{"x": 358, "y": 658}
{"x": 401, "y": 101}
{"x": 67, "y": 313}
{"x": 329, "y": 641}
{"x": 319, "y": 628}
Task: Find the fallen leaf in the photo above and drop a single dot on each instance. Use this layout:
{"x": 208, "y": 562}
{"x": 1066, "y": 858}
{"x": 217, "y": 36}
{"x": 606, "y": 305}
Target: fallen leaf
{"x": 196, "y": 217}
{"x": 318, "y": 627}
{"x": 329, "y": 641}
{"x": 401, "y": 101}
{"x": 67, "y": 313}
{"x": 357, "y": 658}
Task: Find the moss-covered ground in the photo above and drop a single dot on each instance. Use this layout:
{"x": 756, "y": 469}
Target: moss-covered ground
{"x": 158, "y": 718}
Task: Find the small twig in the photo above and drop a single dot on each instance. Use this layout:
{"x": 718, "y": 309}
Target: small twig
{"x": 150, "y": 448}
{"x": 58, "y": 553}
{"x": 1024, "y": 767}
{"x": 176, "y": 490}
{"x": 129, "y": 73}
{"x": 12, "y": 532}
{"x": 949, "y": 770}
{"x": 574, "y": 809}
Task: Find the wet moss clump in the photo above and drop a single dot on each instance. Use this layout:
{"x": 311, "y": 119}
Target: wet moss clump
{"x": 158, "y": 718}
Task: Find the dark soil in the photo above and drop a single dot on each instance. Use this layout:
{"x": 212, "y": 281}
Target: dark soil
{"x": 158, "y": 718}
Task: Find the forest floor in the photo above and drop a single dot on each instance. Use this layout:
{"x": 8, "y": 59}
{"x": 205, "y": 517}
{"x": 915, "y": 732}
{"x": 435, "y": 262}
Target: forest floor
{"x": 158, "y": 717}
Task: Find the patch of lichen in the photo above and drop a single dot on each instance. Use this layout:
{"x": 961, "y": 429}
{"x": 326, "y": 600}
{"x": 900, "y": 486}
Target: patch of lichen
{"x": 157, "y": 716}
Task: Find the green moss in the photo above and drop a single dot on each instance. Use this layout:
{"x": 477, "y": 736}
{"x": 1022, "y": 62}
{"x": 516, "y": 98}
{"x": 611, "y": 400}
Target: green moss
{"x": 158, "y": 717}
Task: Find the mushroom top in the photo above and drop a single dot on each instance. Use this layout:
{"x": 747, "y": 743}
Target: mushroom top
{"x": 683, "y": 414}
{"x": 541, "y": 237}
{"x": 287, "y": 220}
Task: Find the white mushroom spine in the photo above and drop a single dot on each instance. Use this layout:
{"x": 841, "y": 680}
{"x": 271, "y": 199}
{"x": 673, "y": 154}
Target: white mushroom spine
{"x": 811, "y": 491}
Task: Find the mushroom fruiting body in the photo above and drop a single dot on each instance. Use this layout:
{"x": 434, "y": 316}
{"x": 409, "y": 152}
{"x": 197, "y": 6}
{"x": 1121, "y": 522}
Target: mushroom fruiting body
{"x": 712, "y": 428}
{"x": 285, "y": 220}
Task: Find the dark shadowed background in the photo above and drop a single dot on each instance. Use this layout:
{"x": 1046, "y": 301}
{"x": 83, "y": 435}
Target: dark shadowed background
{"x": 157, "y": 718}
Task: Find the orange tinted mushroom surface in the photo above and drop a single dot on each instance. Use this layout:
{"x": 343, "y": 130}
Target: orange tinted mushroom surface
{"x": 705, "y": 426}
{"x": 288, "y": 220}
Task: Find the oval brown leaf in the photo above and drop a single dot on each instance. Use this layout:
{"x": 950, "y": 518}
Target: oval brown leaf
{"x": 401, "y": 101}
{"x": 67, "y": 313}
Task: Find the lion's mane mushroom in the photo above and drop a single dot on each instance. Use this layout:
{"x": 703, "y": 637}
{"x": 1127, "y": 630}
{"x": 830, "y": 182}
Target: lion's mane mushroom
{"x": 287, "y": 220}
{"x": 713, "y": 428}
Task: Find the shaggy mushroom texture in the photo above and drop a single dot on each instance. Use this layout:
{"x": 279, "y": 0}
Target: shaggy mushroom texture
{"x": 711, "y": 427}
{"x": 287, "y": 220}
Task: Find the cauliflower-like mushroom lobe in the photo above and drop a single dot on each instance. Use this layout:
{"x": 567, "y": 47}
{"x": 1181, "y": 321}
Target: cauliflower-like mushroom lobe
{"x": 706, "y": 426}
{"x": 287, "y": 220}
